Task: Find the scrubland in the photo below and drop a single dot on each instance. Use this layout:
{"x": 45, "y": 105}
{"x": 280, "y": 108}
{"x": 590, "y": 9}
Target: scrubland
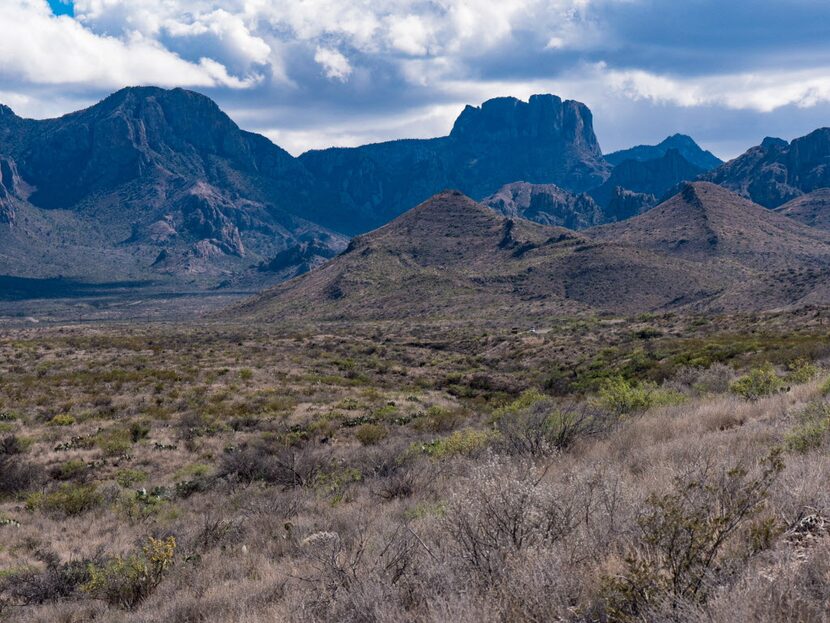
{"x": 659, "y": 468}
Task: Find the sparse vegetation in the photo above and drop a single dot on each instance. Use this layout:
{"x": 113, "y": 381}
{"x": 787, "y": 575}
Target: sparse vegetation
{"x": 437, "y": 473}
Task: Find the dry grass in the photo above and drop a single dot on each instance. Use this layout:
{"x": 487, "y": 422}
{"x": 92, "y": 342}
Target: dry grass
{"x": 190, "y": 433}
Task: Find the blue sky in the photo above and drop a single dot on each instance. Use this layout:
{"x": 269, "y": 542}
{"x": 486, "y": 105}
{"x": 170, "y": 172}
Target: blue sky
{"x": 313, "y": 73}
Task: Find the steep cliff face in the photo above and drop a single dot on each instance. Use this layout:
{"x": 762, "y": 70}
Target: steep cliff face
{"x": 9, "y": 190}
{"x": 776, "y": 172}
{"x": 542, "y": 141}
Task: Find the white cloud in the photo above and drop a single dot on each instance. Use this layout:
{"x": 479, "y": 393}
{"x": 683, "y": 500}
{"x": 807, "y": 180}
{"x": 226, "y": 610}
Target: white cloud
{"x": 38, "y": 48}
{"x": 762, "y": 91}
{"x": 334, "y": 64}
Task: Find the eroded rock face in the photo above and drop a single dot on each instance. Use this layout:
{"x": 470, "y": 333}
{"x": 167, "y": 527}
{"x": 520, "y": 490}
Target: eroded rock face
{"x": 542, "y": 141}
{"x": 625, "y": 204}
{"x": 9, "y": 189}
{"x": 776, "y": 172}
{"x": 204, "y": 218}
{"x": 547, "y": 204}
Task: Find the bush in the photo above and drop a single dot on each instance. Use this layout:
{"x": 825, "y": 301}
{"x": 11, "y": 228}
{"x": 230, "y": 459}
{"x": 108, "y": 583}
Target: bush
{"x": 758, "y": 383}
{"x": 812, "y": 429}
{"x": 466, "y": 442}
{"x": 370, "y": 434}
{"x": 62, "y": 420}
{"x": 622, "y": 397}
{"x": 271, "y": 463}
{"x": 802, "y": 371}
{"x": 682, "y": 533}
{"x": 535, "y": 425}
{"x": 66, "y": 500}
{"x": 501, "y": 510}
{"x": 126, "y": 582}
{"x": 16, "y": 475}
{"x": 55, "y": 582}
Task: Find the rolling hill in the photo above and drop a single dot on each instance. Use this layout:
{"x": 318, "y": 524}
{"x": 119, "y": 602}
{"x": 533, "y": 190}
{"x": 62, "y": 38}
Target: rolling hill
{"x": 704, "y": 249}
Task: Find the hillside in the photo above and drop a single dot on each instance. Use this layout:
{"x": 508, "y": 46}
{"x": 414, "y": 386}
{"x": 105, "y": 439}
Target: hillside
{"x": 812, "y": 209}
{"x": 704, "y": 249}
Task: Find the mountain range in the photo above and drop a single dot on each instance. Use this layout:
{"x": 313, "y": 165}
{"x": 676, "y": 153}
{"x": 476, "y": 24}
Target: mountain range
{"x": 160, "y": 188}
{"x": 705, "y": 249}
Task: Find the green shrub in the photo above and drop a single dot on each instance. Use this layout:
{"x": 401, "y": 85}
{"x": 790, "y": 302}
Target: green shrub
{"x": 465, "y": 442}
{"x": 437, "y": 420}
{"x": 127, "y": 478}
{"x": 758, "y": 383}
{"x": 621, "y": 396}
{"x": 66, "y": 500}
{"x": 802, "y": 371}
{"x": 812, "y": 430}
{"x": 114, "y": 442}
{"x": 825, "y": 388}
{"x": 246, "y": 374}
{"x": 370, "y": 434}
{"x": 69, "y": 470}
{"x": 126, "y": 582}
{"x": 62, "y": 420}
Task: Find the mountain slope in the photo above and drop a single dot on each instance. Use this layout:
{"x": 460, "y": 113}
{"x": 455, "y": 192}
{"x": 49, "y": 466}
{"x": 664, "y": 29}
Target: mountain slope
{"x": 153, "y": 183}
{"x": 546, "y": 204}
{"x": 776, "y": 172}
{"x": 705, "y": 249}
{"x": 687, "y": 147}
{"x": 812, "y": 209}
{"x": 545, "y": 140}
{"x": 451, "y": 257}
{"x": 645, "y": 177}
{"x": 762, "y": 259}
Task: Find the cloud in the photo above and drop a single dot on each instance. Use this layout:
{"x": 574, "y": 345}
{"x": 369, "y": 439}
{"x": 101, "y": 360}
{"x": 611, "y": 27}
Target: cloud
{"x": 760, "y": 91}
{"x": 38, "y": 48}
{"x": 312, "y": 72}
{"x": 334, "y": 64}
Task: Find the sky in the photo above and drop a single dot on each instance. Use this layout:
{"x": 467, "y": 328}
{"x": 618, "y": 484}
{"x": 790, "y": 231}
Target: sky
{"x": 317, "y": 73}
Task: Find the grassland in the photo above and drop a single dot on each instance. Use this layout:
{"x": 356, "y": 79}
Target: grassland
{"x": 658, "y": 468}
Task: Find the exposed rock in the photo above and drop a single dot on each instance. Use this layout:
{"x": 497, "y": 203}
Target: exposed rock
{"x": 776, "y": 172}
{"x": 547, "y": 204}
{"x": 542, "y": 141}
{"x": 625, "y": 204}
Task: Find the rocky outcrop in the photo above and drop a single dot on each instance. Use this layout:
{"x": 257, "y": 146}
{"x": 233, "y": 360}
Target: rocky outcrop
{"x": 776, "y": 172}
{"x": 625, "y": 204}
{"x": 9, "y": 190}
{"x": 547, "y": 204}
{"x": 542, "y": 141}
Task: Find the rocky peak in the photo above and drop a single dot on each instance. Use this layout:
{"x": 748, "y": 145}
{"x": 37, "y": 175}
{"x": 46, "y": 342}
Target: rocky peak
{"x": 541, "y": 118}
{"x": 771, "y": 142}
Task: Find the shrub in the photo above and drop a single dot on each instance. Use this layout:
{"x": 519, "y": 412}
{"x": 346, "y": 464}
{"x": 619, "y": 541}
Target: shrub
{"x": 56, "y": 581}
{"x": 438, "y": 420}
{"x": 17, "y": 475}
{"x": 129, "y": 477}
{"x": 69, "y": 470}
{"x": 541, "y": 427}
{"x": 802, "y": 371}
{"x": 271, "y": 463}
{"x": 126, "y": 582}
{"x": 370, "y": 434}
{"x": 464, "y": 442}
{"x": 682, "y": 532}
{"x": 62, "y": 420}
{"x": 758, "y": 383}
{"x": 811, "y": 432}
{"x": 501, "y": 510}
{"x": 622, "y": 397}
{"x": 114, "y": 442}
{"x": 66, "y": 500}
